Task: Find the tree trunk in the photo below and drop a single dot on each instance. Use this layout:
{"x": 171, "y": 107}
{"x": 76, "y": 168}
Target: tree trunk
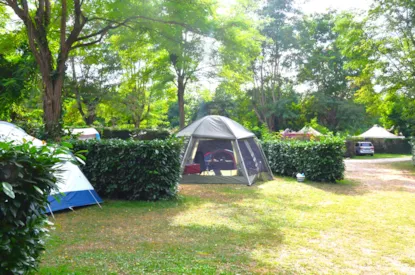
{"x": 271, "y": 123}
{"x": 180, "y": 97}
{"x": 90, "y": 118}
{"x": 52, "y": 107}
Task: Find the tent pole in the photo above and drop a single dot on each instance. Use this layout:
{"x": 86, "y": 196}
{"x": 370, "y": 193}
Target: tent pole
{"x": 185, "y": 153}
{"x": 95, "y": 199}
{"x": 51, "y": 212}
{"x": 243, "y": 163}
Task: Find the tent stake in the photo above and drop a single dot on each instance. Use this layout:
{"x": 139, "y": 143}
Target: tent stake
{"x": 95, "y": 199}
{"x": 51, "y": 212}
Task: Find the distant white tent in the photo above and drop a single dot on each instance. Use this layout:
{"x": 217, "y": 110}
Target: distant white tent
{"x": 309, "y": 130}
{"x": 379, "y": 132}
{"x": 221, "y": 150}
{"x": 74, "y": 189}
{"x": 86, "y": 133}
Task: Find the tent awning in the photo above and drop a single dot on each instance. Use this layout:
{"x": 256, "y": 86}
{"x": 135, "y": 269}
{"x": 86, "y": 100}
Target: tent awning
{"x": 379, "y": 132}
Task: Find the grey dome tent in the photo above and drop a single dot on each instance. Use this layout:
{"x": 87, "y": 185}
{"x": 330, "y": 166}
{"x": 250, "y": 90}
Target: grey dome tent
{"x": 220, "y": 150}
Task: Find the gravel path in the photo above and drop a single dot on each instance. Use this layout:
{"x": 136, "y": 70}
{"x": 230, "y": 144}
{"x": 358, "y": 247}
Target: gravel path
{"x": 378, "y": 175}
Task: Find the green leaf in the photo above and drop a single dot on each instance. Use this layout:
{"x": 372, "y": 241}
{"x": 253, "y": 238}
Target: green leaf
{"x": 38, "y": 190}
{"x": 67, "y": 144}
{"x": 8, "y": 189}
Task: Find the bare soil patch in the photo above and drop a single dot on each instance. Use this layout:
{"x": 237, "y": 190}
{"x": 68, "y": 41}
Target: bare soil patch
{"x": 380, "y": 174}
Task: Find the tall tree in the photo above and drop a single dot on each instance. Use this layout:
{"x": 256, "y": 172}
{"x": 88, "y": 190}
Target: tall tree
{"x": 330, "y": 97}
{"x": 275, "y": 61}
{"x": 91, "y": 79}
{"x": 146, "y": 76}
{"x": 186, "y": 47}
{"x": 81, "y": 23}
{"x": 240, "y": 46}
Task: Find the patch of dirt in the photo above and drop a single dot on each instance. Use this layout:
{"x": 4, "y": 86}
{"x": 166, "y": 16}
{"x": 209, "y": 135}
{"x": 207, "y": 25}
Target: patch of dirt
{"x": 378, "y": 175}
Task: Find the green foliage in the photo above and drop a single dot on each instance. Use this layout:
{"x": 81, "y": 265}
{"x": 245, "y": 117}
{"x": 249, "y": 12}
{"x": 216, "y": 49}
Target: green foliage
{"x": 314, "y": 124}
{"x": 318, "y": 160}
{"x": 95, "y": 84}
{"x": 322, "y": 68}
{"x": 133, "y": 170}
{"x": 16, "y": 74}
{"x": 26, "y": 179}
{"x": 379, "y": 46}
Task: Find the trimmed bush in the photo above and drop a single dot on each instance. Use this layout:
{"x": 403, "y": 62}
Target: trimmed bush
{"x": 139, "y": 134}
{"x": 150, "y": 134}
{"x": 132, "y": 170}
{"x": 318, "y": 160}
{"x": 26, "y": 179}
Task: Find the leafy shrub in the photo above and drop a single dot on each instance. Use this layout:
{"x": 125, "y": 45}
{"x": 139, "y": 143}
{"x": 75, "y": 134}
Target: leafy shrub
{"x": 318, "y": 160}
{"x": 133, "y": 170}
{"x": 26, "y": 179}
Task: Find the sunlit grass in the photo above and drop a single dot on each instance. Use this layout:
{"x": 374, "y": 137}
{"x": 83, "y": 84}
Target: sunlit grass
{"x": 382, "y": 156}
{"x": 276, "y": 227}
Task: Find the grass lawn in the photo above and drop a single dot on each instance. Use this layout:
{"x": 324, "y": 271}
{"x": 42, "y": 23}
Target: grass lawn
{"x": 279, "y": 227}
{"x": 404, "y": 165}
{"x": 381, "y": 156}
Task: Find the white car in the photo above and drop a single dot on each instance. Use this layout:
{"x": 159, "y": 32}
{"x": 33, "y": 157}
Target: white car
{"x": 364, "y": 148}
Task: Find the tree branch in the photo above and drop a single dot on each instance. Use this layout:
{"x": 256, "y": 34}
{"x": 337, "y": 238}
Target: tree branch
{"x": 64, "y": 11}
{"x": 116, "y": 24}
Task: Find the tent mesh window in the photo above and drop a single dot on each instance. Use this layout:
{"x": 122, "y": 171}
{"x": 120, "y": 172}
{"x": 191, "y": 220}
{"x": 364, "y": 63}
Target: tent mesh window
{"x": 254, "y": 160}
{"x": 210, "y": 157}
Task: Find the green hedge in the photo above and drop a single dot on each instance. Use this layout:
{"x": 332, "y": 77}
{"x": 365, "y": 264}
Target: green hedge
{"x": 318, "y": 160}
{"x": 138, "y": 134}
{"x": 132, "y": 170}
{"x": 26, "y": 179}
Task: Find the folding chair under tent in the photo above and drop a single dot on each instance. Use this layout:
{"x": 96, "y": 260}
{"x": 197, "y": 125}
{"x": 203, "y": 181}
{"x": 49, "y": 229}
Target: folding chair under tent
{"x": 220, "y": 150}
{"x": 74, "y": 189}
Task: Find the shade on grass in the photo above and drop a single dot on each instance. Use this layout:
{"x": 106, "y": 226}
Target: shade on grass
{"x": 277, "y": 227}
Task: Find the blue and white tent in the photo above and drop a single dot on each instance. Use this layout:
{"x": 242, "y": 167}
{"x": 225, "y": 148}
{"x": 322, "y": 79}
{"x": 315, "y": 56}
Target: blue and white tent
{"x": 74, "y": 189}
